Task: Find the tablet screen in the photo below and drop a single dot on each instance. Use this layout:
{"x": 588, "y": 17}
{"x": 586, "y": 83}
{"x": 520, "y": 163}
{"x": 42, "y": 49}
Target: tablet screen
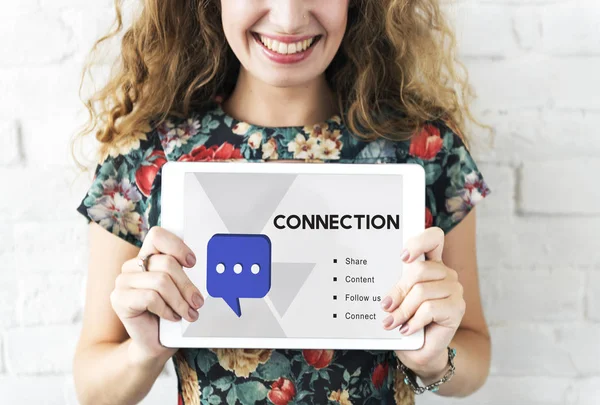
{"x": 292, "y": 255}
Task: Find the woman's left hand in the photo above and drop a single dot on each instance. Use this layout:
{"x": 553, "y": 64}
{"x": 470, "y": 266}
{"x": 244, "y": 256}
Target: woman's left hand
{"x": 428, "y": 295}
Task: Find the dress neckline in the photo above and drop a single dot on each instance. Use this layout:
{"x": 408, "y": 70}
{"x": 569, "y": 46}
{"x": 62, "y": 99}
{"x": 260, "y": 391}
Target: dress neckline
{"x": 334, "y": 121}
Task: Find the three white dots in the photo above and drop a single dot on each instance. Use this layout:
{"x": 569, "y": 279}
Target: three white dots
{"x": 237, "y": 268}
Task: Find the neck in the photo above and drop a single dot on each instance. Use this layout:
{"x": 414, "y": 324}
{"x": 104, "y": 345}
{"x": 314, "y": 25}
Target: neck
{"x": 261, "y": 104}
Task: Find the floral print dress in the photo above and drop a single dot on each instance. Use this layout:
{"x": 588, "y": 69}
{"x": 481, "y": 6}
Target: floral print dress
{"x": 124, "y": 198}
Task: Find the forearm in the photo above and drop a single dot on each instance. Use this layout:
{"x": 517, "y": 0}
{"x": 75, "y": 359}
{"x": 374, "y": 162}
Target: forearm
{"x": 107, "y": 374}
{"x": 472, "y": 362}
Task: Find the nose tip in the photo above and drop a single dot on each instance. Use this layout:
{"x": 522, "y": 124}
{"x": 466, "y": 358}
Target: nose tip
{"x": 291, "y": 16}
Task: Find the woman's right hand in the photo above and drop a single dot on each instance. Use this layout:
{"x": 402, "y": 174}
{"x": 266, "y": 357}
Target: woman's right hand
{"x": 165, "y": 291}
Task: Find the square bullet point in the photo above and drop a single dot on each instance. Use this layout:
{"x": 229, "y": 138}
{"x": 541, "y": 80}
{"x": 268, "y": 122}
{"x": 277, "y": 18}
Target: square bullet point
{"x": 335, "y": 279}
{"x": 335, "y": 297}
{"x": 335, "y": 260}
{"x": 335, "y": 315}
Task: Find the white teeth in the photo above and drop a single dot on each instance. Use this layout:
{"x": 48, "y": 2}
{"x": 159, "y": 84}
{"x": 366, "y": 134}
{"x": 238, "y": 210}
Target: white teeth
{"x": 283, "y": 48}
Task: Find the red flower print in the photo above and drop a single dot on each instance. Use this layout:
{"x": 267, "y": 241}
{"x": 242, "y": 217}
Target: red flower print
{"x": 428, "y": 218}
{"x": 427, "y": 143}
{"x": 379, "y": 375}
{"x": 199, "y": 154}
{"x": 145, "y": 174}
{"x": 282, "y": 391}
{"x": 215, "y": 152}
{"x": 227, "y": 151}
{"x": 318, "y": 358}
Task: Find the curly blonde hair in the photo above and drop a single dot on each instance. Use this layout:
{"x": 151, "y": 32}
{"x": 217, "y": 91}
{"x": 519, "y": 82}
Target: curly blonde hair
{"x": 396, "y": 68}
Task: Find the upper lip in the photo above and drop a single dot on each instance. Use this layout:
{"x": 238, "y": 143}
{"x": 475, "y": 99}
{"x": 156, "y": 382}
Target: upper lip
{"x": 287, "y": 39}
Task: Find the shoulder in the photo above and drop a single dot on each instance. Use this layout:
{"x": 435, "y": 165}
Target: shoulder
{"x": 137, "y": 157}
{"x": 123, "y": 196}
{"x": 439, "y": 148}
{"x": 125, "y": 193}
{"x": 453, "y": 182}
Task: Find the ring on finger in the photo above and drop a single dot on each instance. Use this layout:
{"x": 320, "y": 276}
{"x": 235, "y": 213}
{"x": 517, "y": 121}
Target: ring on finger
{"x": 143, "y": 262}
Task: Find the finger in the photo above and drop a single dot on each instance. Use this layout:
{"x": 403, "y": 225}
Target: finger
{"x": 129, "y": 303}
{"x": 162, "y": 283}
{"x": 170, "y": 265}
{"x": 159, "y": 240}
{"x": 418, "y": 294}
{"x": 446, "y": 312}
{"x": 429, "y": 242}
{"x": 413, "y": 273}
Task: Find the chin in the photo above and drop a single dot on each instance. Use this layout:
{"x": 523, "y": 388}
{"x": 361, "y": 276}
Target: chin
{"x": 282, "y": 79}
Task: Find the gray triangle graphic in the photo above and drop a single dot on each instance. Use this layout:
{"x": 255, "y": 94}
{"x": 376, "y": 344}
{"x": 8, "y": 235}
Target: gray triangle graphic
{"x": 216, "y": 319}
{"x": 286, "y": 281}
{"x": 245, "y": 201}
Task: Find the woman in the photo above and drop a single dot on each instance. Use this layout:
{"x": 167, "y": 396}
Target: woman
{"x": 287, "y": 80}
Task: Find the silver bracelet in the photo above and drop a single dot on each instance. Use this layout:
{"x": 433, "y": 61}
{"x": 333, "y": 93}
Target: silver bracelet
{"x": 410, "y": 377}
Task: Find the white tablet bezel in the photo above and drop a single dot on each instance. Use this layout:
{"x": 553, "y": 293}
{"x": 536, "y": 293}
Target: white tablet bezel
{"x": 170, "y": 333}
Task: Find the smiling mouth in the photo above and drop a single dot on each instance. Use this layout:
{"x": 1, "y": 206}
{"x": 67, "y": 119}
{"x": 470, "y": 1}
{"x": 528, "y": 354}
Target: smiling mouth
{"x": 286, "y": 48}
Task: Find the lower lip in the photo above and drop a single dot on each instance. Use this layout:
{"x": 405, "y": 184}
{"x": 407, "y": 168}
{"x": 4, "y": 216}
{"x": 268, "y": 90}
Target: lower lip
{"x": 286, "y": 59}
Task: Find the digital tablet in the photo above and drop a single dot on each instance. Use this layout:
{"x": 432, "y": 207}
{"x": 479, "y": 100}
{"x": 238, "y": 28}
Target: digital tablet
{"x": 292, "y": 255}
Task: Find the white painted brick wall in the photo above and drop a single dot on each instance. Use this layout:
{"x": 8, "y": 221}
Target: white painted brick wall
{"x": 593, "y": 299}
{"x": 557, "y": 187}
{"x": 534, "y": 65}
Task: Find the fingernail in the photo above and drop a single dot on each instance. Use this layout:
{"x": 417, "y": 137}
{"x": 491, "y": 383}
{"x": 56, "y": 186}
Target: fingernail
{"x": 405, "y": 254}
{"x": 197, "y": 300}
{"x": 191, "y": 259}
{"x": 404, "y": 329}
{"x": 388, "y": 321}
{"x": 193, "y": 314}
{"x": 387, "y": 301}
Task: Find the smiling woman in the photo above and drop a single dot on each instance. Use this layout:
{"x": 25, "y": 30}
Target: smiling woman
{"x": 276, "y": 58}
{"x": 278, "y": 80}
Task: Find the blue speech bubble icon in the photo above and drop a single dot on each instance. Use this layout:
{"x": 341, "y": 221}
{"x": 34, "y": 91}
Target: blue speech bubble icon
{"x": 238, "y": 266}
